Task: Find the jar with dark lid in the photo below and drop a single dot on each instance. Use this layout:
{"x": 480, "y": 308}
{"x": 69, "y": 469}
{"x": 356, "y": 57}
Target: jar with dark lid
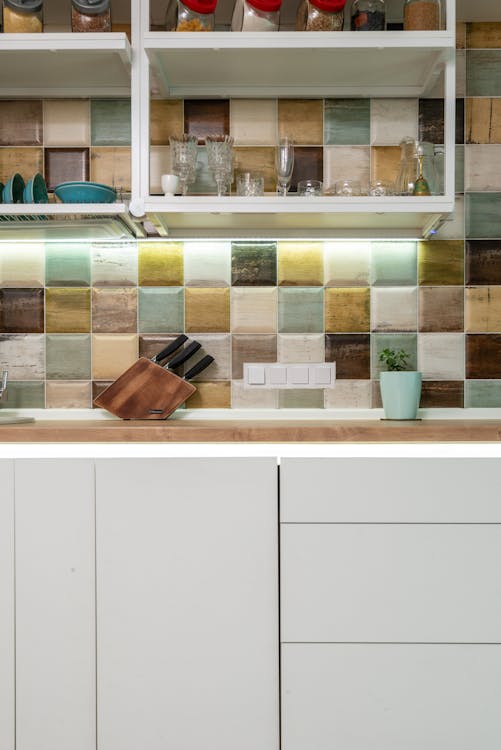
{"x": 320, "y": 15}
{"x": 23, "y": 16}
{"x": 90, "y": 15}
{"x": 190, "y": 15}
{"x": 256, "y": 15}
{"x": 422, "y": 15}
{"x": 368, "y": 15}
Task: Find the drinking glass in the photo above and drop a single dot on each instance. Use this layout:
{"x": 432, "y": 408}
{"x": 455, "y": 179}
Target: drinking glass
{"x": 284, "y": 164}
{"x": 309, "y": 188}
{"x": 220, "y": 159}
{"x": 348, "y": 187}
{"x": 184, "y": 159}
{"x": 250, "y": 184}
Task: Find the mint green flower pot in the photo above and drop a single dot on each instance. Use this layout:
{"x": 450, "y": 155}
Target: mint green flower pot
{"x": 401, "y": 392}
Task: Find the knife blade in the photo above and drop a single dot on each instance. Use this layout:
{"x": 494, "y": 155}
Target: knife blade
{"x": 169, "y": 349}
{"x": 180, "y": 358}
{"x": 199, "y": 367}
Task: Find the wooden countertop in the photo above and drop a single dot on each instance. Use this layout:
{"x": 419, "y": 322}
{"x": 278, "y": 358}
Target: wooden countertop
{"x": 252, "y": 430}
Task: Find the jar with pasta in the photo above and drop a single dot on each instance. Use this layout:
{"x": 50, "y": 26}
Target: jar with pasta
{"x": 320, "y": 15}
{"x": 22, "y": 16}
{"x": 190, "y": 15}
{"x": 422, "y": 15}
{"x": 256, "y": 15}
{"x": 90, "y": 15}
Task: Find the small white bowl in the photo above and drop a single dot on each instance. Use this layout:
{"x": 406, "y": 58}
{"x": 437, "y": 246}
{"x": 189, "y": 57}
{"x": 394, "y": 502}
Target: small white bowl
{"x": 170, "y": 184}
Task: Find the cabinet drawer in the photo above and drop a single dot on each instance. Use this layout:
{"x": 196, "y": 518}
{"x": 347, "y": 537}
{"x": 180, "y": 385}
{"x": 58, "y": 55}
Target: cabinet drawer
{"x": 391, "y": 490}
{"x": 391, "y": 582}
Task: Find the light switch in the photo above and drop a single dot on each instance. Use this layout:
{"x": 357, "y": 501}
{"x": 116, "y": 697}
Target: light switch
{"x": 256, "y": 375}
{"x": 278, "y": 375}
{"x": 299, "y": 375}
{"x": 322, "y": 375}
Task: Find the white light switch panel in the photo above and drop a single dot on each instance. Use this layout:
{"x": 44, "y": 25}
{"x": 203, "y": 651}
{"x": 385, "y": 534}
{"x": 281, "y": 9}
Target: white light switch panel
{"x": 293, "y": 375}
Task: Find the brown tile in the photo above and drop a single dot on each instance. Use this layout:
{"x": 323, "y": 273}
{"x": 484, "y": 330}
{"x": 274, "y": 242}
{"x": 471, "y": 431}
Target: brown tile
{"x": 207, "y": 310}
{"x": 21, "y": 310}
{"x": 441, "y": 308}
{"x": 347, "y": 310}
{"x": 483, "y": 356}
{"x": 21, "y": 123}
{"x": 66, "y": 165}
{"x": 151, "y": 344}
{"x": 441, "y": 262}
{"x": 257, "y": 159}
{"x": 483, "y": 309}
{"x": 351, "y": 353}
{"x": 300, "y": 263}
{"x": 302, "y": 120}
{"x": 67, "y": 310}
{"x": 483, "y": 262}
{"x": 385, "y": 163}
{"x": 483, "y": 120}
{"x": 110, "y": 165}
{"x": 124, "y": 28}
{"x": 442, "y": 394}
{"x": 26, "y": 161}
{"x": 308, "y": 165}
{"x": 161, "y": 264}
{"x": 114, "y": 310}
{"x": 376, "y": 401}
{"x": 206, "y": 117}
{"x": 252, "y": 348}
{"x": 460, "y": 35}
{"x": 98, "y": 386}
{"x": 215, "y": 395}
{"x": 166, "y": 119}
{"x": 68, "y": 394}
{"x": 483, "y": 35}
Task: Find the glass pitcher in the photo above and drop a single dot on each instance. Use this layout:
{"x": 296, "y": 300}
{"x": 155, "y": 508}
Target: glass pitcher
{"x": 411, "y": 150}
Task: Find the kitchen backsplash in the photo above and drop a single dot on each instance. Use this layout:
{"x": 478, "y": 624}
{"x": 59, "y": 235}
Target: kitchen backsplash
{"x": 73, "y": 316}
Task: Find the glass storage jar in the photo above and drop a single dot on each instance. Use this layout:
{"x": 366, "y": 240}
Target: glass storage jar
{"x": 90, "y": 15}
{"x": 320, "y": 15}
{"x": 368, "y": 15}
{"x": 256, "y": 15}
{"x": 422, "y": 15}
{"x": 22, "y": 16}
{"x": 190, "y": 15}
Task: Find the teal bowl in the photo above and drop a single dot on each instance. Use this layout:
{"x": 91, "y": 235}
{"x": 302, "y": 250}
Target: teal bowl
{"x": 85, "y": 192}
{"x": 36, "y": 190}
{"x": 14, "y": 189}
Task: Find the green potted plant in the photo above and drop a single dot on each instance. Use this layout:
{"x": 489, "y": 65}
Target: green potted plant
{"x": 400, "y": 388}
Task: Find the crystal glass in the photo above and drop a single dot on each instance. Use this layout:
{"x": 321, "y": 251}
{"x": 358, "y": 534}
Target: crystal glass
{"x": 250, "y": 184}
{"x": 348, "y": 187}
{"x": 220, "y": 159}
{"x": 309, "y": 188}
{"x": 381, "y": 187}
{"x": 184, "y": 159}
{"x": 284, "y": 164}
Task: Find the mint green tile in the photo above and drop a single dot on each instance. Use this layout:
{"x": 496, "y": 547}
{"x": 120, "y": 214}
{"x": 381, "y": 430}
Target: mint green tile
{"x": 26, "y": 395}
{"x": 483, "y": 393}
{"x": 483, "y": 215}
{"x": 110, "y": 122}
{"x": 483, "y": 72}
{"x": 300, "y": 310}
{"x": 68, "y": 356}
{"x": 204, "y": 183}
{"x": 380, "y": 341}
{"x": 67, "y": 264}
{"x": 347, "y": 122}
{"x": 301, "y": 398}
{"x": 161, "y": 309}
{"x": 394, "y": 263}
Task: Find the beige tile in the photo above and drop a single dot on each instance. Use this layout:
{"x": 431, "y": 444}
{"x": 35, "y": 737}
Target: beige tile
{"x": 112, "y": 354}
{"x": 110, "y": 165}
{"x": 27, "y": 161}
{"x": 257, "y": 159}
{"x": 392, "y": 120}
{"x": 441, "y": 356}
{"x": 349, "y": 394}
{"x": 207, "y": 310}
{"x": 347, "y": 163}
{"x": 302, "y": 120}
{"x": 347, "y": 263}
{"x": 207, "y": 263}
{"x": 483, "y": 120}
{"x": 166, "y": 119}
{"x": 247, "y": 398}
{"x": 394, "y": 309}
{"x": 215, "y": 395}
{"x": 66, "y": 122}
{"x": 22, "y": 265}
{"x": 253, "y": 122}
{"x": 68, "y": 394}
{"x": 481, "y": 168}
{"x": 294, "y": 347}
{"x": 483, "y": 309}
{"x": 114, "y": 310}
{"x": 23, "y": 356}
{"x": 218, "y": 345}
{"x": 160, "y": 163}
{"x": 254, "y": 310}
{"x": 385, "y": 163}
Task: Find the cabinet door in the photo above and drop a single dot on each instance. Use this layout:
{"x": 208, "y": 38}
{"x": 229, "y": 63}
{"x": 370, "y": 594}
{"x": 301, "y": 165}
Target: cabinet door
{"x": 7, "y": 659}
{"x": 55, "y": 605}
{"x": 187, "y": 604}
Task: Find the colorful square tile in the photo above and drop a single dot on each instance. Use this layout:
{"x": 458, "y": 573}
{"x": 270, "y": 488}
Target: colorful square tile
{"x": 161, "y": 264}
{"x": 347, "y": 163}
{"x": 115, "y": 265}
{"x": 23, "y": 356}
{"x": 98, "y": 386}
{"x": 394, "y": 309}
{"x": 255, "y": 348}
{"x": 441, "y": 356}
{"x": 347, "y": 122}
{"x": 302, "y": 120}
{"x": 483, "y": 394}
{"x": 254, "y": 310}
{"x": 208, "y": 395}
{"x": 66, "y": 122}
{"x": 160, "y": 163}
{"x": 301, "y": 348}
{"x": 67, "y": 264}
{"x": 392, "y": 120}
{"x": 483, "y": 356}
{"x": 308, "y": 165}
{"x": 22, "y": 264}
{"x": 460, "y": 73}
{"x": 453, "y": 228}
{"x": 205, "y": 183}
{"x": 380, "y": 341}
{"x": 483, "y": 72}
{"x": 460, "y": 120}
{"x": 481, "y": 168}
{"x": 67, "y": 310}
{"x": 24, "y": 396}
{"x": 442, "y": 394}
{"x": 441, "y": 262}
{"x": 300, "y": 310}
{"x": 255, "y": 159}
{"x": 207, "y": 263}
{"x": 385, "y": 163}
{"x": 347, "y": 310}
{"x": 166, "y": 119}
{"x": 483, "y": 218}
{"x": 483, "y": 35}
{"x": 441, "y": 308}
{"x": 114, "y": 310}
{"x": 351, "y": 353}
{"x": 203, "y": 117}
{"x": 483, "y": 262}
{"x": 21, "y": 122}
{"x": 68, "y": 357}
{"x": 110, "y": 165}
{"x": 68, "y": 395}
{"x": 459, "y": 170}
{"x": 301, "y": 398}
{"x": 26, "y": 161}
{"x": 152, "y": 343}
{"x": 21, "y": 310}
{"x": 254, "y": 263}
{"x": 394, "y": 263}
{"x": 347, "y": 263}
{"x": 483, "y": 120}
{"x": 247, "y": 398}
{"x": 161, "y": 309}
{"x": 300, "y": 263}
{"x": 349, "y": 394}
{"x": 253, "y": 122}
{"x": 112, "y": 354}
{"x": 431, "y": 120}
{"x": 483, "y": 309}
{"x": 110, "y": 122}
{"x": 207, "y": 310}
{"x": 218, "y": 345}
{"x": 460, "y": 34}
{"x": 67, "y": 165}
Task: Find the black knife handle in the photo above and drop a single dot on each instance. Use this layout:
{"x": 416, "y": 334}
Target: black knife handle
{"x": 170, "y": 348}
{"x": 184, "y": 355}
{"x": 199, "y": 367}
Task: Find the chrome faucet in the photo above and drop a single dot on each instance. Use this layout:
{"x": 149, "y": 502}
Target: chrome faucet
{"x": 3, "y": 384}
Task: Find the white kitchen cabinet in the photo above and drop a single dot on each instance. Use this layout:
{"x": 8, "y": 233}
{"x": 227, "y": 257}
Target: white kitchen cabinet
{"x": 187, "y": 603}
{"x": 55, "y": 605}
{"x": 7, "y": 619}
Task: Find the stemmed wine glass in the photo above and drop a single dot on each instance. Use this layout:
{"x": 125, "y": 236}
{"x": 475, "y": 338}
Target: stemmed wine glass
{"x": 184, "y": 159}
{"x": 220, "y": 160}
{"x": 284, "y": 164}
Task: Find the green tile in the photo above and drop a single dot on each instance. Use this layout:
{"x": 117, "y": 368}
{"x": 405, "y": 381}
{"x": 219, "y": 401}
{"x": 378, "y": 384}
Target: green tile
{"x": 483, "y": 393}
{"x": 204, "y": 183}
{"x": 67, "y": 265}
{"x": 483, "y": 217}
{"x": 161, "y": 310}
{"x": 300, "y": 310}
{"x": 301, "y": 398}
{"x": 347, "y": 122}
{"x": 68, "y": 356}
{"x": 483, "y": 72}
{"x": 110, "y": 122}
{"x": 254, "y": 263}
{"x": 26, "y": 395}
{"x": 394, "y": 263}
{"x": 380, "y": 341}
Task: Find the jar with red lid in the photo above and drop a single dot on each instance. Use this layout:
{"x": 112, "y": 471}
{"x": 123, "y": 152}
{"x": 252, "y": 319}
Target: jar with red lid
{"x": 256, "y": 15}
{"x": 190, "y": 15}
{"x": 320, "y": 15}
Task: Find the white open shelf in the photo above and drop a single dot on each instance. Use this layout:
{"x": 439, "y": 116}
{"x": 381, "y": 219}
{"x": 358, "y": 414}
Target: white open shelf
{"x": 62, "y": 209}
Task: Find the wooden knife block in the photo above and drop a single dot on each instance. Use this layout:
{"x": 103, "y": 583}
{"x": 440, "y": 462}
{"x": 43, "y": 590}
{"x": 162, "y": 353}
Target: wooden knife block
{"x": 145, "y": 391}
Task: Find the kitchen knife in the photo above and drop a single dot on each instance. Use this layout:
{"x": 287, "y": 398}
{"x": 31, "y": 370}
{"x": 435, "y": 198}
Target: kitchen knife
{"x": 169, "y": 349}
{"x": 199, "y": 367}
{"x": 180, "y": 358}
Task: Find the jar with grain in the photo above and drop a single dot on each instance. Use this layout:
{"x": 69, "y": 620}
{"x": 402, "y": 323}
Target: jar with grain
{"x": 368, "y": 15}
{"x": 320, "y": 15}
{"x": 90, "y": 15}
{"x": 22, "y": 16}
{"x": 422, "y": 15}
{"x": 256, "y": 15}
{"x": 190, "y": 15}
